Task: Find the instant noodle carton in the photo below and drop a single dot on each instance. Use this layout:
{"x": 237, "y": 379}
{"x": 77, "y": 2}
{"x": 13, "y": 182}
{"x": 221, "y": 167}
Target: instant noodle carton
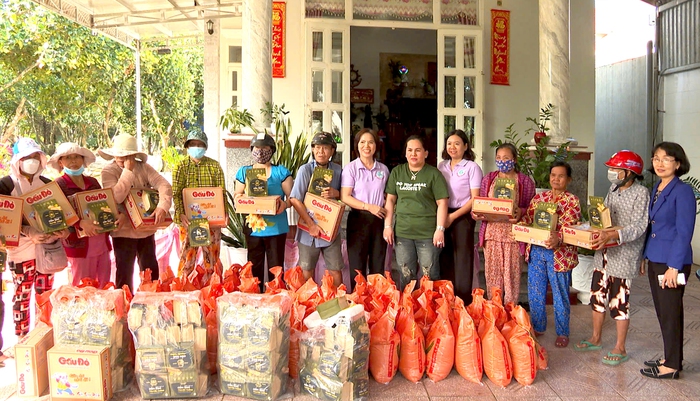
{"x": 266, "y": 205}
{"x": 140, "y": 204}
{"x": 530, "y": 235}
{"x": 11, "y": 219}
{"x": 327, "y": 213}
{"x": 584, "y": 235}
{"x": 32, "y": 365}
{"x": 493, "y": 209}
{"x": 99, "y": 206}
{"x": 80, "y": 373}
{"x": 48, "y": 210}
{"x": 206, "y": 203}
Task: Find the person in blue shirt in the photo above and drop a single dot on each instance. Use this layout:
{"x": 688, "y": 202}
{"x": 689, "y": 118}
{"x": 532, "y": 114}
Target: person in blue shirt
{"x": 310, "y": 244}
{"x": 268, "y": 241}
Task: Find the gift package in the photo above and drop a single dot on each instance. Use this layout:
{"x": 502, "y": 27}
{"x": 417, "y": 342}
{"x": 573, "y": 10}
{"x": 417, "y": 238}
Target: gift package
{"x": 253, "y": 353}
{"x": 598, "y": 213}
{"x": 90, "y": 317}
{"x": 140, "y": 203}
{"x": 327, "y": 213}
{"x": 334, "y": 356}
{"x": 31, "y": 363}
{"x": 170, "y": 336}
{"x": 583, "y": 235}
{"x": 80, "y": 372}
{"x": 205, "y": 203}
{"x": 98, "y": 206}
{"x": 11, "y": 219}
{"x": 493, "y": 209}
{"x": 256, "y": 182}
{"x": 321, "y": 179}
{"x": 199, "y": 233}
{"x": 48, "y": 210}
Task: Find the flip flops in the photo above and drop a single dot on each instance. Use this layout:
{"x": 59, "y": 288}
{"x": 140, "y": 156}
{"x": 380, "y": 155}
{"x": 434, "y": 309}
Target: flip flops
{"x": 586, "y": 345}
{"x": 614, "y": 362}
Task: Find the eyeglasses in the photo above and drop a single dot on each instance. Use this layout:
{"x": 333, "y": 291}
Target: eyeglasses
{"x": 665, "y": 160}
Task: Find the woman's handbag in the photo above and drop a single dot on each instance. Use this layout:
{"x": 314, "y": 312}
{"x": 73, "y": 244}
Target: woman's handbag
{"x": 51, "y": 257}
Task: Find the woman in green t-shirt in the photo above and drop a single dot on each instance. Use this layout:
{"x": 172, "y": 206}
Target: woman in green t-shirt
{"x": 416, "y": 206}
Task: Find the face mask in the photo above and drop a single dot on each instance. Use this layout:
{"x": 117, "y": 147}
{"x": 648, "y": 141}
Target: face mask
{"x": 196, "y": 153}
{"x": 30, "y": 166}
{"x": 262, "y": 156}
{"x": 505, "y": 166}
{"x": 79, "y": 171}
{"x": 612, "y": 177}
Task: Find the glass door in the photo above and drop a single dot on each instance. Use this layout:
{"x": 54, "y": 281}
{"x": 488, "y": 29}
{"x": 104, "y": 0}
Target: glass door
{"x": 460, "y": 87}
{"x": 328, "y": 83}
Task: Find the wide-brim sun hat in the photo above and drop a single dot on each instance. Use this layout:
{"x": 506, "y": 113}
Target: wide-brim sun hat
{"x": 123, "y": 145}
{"x": 23, "y": 148}
{"x": 70, "y": 148}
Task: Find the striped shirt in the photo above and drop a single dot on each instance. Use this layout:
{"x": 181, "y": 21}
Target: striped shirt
{"x": 188, "y": 174}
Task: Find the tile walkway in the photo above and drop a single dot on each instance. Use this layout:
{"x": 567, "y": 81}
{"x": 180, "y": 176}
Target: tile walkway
{"x": 571, "y": 375}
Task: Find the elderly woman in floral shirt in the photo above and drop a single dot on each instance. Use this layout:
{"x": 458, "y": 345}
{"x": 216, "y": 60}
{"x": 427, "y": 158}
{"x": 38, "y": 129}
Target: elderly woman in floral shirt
{"x": 552, "y": 263}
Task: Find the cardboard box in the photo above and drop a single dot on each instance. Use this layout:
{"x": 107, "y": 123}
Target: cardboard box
{"x": 327, "y": 213}
{"x": 80, "y": 373}
{"x": 259, "y": 205}
{"x": 32, "y": 363}
{"x": 47, "y": 209}
{"x": 11, "y": 219}
{"x": 493, "y": 209}
{"x": 138, "y": 205}
{"x": 584, "y": 236}
{"x": 530, "y": 235}
{"x": 206, "y": 203}
{"x": 99, "y": 206}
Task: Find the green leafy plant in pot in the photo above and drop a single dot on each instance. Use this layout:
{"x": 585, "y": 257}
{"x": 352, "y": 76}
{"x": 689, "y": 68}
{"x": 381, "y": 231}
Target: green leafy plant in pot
{"x": 541, "y": 123}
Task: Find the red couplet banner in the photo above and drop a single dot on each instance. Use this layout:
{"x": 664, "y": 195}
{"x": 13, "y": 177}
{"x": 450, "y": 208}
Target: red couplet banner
{"x": 500, "y": 47}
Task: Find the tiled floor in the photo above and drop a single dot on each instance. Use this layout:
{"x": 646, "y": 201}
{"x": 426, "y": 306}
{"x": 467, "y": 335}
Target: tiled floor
{"x": 571, "y": 375}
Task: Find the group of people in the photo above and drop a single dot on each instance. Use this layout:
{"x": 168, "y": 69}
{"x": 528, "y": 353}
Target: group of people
{"x": 88, "y": 254}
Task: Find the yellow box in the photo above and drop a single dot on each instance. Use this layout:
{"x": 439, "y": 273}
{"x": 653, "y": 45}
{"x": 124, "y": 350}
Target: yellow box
{"x": 205, "y": 203}
{"x": 31, "y": 362}
{"x": 530, "y": 235}
{"x": 49, "y": 191}
{"x": 140, "y": 216}
{"x": 98, "y": 205}
{"x": 82, "y": 373}
{"x": 493, "y": 209}
{"x": 259, "y": 205}
{"x": 576, "y": 235}
{"x": 327, "y": 213}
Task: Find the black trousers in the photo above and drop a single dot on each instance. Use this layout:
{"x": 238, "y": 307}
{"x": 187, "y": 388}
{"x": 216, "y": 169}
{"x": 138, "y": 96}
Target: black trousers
{"x": 669, "y": 310}
{"x": 126, "y": 250}
{"x": 457, "y": 257}
{"x": 366, "y": 245}
{"x": 271, "y": 247}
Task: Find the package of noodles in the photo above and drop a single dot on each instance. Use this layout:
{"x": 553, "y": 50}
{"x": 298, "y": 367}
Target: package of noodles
{"x": 170, "y": 336}
{"x": 91, "y": 316}
{"x": 254, "y": 344}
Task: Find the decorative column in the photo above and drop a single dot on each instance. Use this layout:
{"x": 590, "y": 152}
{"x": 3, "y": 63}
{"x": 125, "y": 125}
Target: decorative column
{"x": 257, "y": 58}
{"x": 212, "y": 77}
{"x": 554, "y": 65}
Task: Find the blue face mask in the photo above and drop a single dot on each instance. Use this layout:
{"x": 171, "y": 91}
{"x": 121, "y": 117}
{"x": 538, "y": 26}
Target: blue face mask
{"x": 79, "y": 171}
{"x": 196, "y": 153}
{"x": 505, "y": 166}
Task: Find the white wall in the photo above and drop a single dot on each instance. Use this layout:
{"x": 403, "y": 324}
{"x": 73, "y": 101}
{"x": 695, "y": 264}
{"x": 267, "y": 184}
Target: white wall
{"x": 681, "y": 124}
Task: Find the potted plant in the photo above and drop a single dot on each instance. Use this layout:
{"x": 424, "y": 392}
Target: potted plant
{"x": 234, "y": 119}
{"x": 541, "y": 123}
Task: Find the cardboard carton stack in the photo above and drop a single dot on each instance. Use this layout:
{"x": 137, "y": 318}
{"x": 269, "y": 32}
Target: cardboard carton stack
{"x": 170, "y": 336}
{"x": 88, "y": 319}
{"x": 253, "y": 357}
{"x": 501, "y": 206}
{"x": 584, "y": 234}
{"x": 543, "y": 223}
{"x": 256, "y": 199}
{"x": 334, "y": 355}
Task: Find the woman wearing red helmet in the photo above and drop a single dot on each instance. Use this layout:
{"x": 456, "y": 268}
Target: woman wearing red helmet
{"x": 615, "y": 267}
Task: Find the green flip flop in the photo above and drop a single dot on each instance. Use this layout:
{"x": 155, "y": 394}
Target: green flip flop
{"x": 586, "y": 345}
{"x": 614, "y": 362}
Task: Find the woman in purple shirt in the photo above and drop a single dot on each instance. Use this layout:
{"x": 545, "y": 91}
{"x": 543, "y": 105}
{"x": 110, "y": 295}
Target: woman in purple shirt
{"x": 463, "y": 178}
{"x": 362, "y": 188}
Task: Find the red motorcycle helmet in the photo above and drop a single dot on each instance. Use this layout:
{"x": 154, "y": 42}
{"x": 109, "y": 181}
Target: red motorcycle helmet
{"x": 626, "y": 160}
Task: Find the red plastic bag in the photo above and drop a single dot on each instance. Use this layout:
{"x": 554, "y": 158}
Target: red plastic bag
{"x": 440, "y": 348}
{"x": 498, "y": 365}
{"x": 294, "y": 278}
{"x": 412, "y": 351}
{"x": 522, "y": 346}
{"x": 43, "y": 302}
{"x": 384, "y": 347}
{"x": 275, "y": 285}
{"x": 468, "y": 357}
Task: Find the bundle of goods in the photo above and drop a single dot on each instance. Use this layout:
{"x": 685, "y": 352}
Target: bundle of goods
{"x": 254, "y": 344}
{"x": 468, "y": 352}
{"x": 171, "y": 344}
{"x": 335, "y": 355}
{"x": 87, "y": 316}
{"x": 412, "y": 350}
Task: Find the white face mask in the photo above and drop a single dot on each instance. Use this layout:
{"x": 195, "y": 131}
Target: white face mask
{"x": 612, "y": 177}
{"x": 30, "y": 166}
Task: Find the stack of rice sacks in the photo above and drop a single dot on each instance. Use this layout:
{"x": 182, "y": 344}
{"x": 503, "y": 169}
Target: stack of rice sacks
{"x": 334, "y": 356}
{"x": 170, "y": 336}
{"x": 88, "y": 316}
{"x": 253, "y": 354}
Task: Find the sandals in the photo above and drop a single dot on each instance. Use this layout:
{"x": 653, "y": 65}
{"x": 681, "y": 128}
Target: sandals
{"x": 586, "y": 345}
{"x": 653, "y": 363}
{"x": 561, "y": 342}
{"x": 614, "y": 362}
{"x": 654, "y": 373}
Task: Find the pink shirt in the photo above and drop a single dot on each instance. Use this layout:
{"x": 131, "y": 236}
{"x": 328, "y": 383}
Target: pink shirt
{"x": 465, "y": 176}
{"x": 367, "y": 185}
